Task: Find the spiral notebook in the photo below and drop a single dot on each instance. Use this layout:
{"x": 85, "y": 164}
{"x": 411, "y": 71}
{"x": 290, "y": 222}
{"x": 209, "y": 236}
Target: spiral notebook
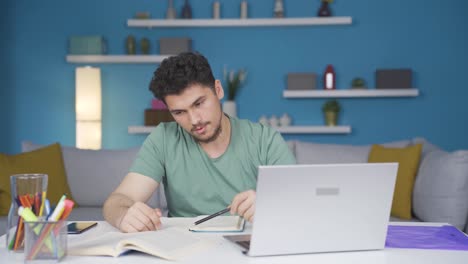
{"x": 426, "y": 237}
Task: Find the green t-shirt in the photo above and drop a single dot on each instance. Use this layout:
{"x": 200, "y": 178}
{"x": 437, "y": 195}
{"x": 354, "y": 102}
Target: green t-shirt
{"x": 196, "y": 184}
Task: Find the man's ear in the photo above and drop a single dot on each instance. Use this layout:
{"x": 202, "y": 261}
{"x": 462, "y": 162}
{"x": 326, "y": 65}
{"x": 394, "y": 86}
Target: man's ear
{"x": 219, "y": 89}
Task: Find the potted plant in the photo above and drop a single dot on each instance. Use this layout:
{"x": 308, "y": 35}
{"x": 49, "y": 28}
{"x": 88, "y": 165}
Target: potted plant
{"x": 234, "y": 80}
{"x": 358, "y": 83}
{"x": 331, "y": 109}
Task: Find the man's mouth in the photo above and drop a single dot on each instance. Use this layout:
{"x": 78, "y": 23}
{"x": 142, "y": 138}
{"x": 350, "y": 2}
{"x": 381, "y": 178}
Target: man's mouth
{"x": 199, "y": 129}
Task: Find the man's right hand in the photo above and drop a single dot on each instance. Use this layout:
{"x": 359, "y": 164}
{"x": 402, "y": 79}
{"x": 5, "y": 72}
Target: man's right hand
{"x": 140, "y": 217}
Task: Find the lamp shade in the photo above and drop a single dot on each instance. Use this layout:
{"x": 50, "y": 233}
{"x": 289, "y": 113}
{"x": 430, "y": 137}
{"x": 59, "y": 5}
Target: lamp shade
{"x": 88, "y": 134}
{"x": 88, "y": 94}
{"x": 88, "y": 108}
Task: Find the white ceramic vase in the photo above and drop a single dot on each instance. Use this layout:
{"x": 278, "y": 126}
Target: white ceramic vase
{"x": 230, "y": 108}
{"x": 285, "y": 120}
{"x": 264, "y": 120}
{"x": 274, "y": 121}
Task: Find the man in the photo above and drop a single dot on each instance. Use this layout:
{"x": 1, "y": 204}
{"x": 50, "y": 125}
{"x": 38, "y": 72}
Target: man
{"x": 206, "y": 159}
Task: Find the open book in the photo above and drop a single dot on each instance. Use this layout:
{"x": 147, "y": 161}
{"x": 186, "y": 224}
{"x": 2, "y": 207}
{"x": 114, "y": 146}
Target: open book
{"x": 229, "y": 223}
{"x": 172, "y": 243}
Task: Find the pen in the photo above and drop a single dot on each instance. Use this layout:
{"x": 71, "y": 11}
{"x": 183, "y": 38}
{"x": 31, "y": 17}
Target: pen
{"x": 212, "y": 216}
{"x": 47, "y": 207}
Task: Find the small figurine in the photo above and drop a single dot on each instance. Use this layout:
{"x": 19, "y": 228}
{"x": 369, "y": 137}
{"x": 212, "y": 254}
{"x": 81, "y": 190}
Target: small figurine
{"x": 244, "y": 9}
{"x": 171, "y": 12}
{"x": 324, "y": 10}
{"x": 186, "y": 10}
{"x": 279, "y": 9}
{"x": 216, "y": 10}
{"x": 130, "y": 45}
{"x": 145, "y": 46}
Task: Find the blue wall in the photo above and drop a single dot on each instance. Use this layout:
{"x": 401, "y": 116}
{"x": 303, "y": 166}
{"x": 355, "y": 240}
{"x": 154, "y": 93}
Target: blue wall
{"x": 6, "y": 80}
{"x": 37, "y": 95}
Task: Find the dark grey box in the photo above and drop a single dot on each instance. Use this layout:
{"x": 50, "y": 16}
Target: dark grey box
{"x": 393, "y": 78}
{"x": 302, "y": 81}
{"x": 174, "y": 46}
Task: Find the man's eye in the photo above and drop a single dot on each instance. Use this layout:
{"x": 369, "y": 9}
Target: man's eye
{"x": 177, "y": 113}
{"x": 199, "y": 103}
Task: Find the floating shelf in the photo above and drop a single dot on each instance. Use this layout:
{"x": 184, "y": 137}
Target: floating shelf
{"x": 140, "y": 129}
{"x": 314, "y": 130}
{"x": 283, "y": 130}
{"x": 248, "y": 22}
{"x": 116, "y": 58}
{"x": 350, "y": 93}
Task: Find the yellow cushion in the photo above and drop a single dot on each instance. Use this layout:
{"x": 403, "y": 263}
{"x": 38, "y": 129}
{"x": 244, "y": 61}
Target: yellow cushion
{"x": 408, "y": 163}
{"x": 47, "y": 160}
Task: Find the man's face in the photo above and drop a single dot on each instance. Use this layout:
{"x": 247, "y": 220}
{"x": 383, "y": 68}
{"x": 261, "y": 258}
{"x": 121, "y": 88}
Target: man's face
{"x": 198, "y": 110}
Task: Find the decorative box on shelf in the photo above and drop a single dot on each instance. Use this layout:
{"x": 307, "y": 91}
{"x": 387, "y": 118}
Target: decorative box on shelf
{"x": 89, "y": 45}
{"x": 302, "y": 81}
{"x": 393, "y": 78}
{"x": 169, "y": 46}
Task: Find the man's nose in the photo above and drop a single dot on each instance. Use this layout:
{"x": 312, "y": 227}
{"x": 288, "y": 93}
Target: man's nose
{"x": 195, "y": 118}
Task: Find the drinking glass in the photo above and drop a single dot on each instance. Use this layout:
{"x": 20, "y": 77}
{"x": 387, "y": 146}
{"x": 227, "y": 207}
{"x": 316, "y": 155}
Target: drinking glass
{"x": 27, "y": 190}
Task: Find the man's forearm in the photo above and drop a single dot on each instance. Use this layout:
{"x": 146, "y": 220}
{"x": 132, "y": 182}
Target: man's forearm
{"x": 115, "y": 208}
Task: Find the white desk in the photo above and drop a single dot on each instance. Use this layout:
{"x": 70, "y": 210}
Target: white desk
{"x": 225, "y": 252}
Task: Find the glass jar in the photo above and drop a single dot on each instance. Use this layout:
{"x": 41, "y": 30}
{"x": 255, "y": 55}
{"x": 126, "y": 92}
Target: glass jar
{"x": 27, "y": 190}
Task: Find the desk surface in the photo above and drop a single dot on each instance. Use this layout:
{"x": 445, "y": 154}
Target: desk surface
{"x": 226, "y": 252}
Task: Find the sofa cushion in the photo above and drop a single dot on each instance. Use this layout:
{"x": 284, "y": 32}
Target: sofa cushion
{"x": 441, "y": 188}
{"x": 408, "y": 162}
{"x": 292, "y": 146}
{"x": 316, "y": 153}
{"x": 94, "y": 174}
{"x": 47, "y": 160}
{"x": 427, "y": 146}
{"x": 3, "y": 224}
{"x": 86, "y": 213}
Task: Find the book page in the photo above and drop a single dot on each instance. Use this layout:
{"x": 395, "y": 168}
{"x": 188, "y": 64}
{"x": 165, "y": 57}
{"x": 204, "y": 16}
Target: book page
{"x": 104, "y": 245}
{"x": 171, "y": 243}
{"x": 220, "y": 224}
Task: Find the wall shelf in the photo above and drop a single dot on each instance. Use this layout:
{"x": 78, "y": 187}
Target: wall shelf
{"x": 248, "y": 22}
{"x": 116, "y": 58}
{"x": 351, "y": 93}
{"x": 283, "y": 130}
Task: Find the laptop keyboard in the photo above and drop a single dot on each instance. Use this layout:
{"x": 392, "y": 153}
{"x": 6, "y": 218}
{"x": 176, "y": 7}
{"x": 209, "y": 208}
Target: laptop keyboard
{"x": 244, "y": 244}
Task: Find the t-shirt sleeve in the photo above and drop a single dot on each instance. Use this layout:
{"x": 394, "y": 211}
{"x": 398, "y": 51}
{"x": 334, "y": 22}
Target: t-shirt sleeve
{"x": 278, "y": 152}
{"x": 150, "y": 159}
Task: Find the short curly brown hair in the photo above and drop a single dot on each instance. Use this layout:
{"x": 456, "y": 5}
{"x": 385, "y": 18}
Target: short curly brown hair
{"x": 176, "y": 73}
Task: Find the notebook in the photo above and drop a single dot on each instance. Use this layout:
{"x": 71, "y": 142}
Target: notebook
{"x": 320, "y": 208}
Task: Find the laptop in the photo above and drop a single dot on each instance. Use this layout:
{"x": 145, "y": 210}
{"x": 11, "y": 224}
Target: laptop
{"x": 320, "y": 208}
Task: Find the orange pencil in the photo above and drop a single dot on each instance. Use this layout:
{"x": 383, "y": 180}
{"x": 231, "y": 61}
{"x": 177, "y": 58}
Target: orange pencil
{"x": 24, "y": 199}
{"x": 19, "y": 232}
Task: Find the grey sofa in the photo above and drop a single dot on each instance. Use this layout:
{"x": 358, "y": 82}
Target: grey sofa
{"x": 440, "y": 193}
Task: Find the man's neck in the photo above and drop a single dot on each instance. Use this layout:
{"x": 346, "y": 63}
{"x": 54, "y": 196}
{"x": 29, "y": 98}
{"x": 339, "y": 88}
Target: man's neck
{"x": 217, "y": 147}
